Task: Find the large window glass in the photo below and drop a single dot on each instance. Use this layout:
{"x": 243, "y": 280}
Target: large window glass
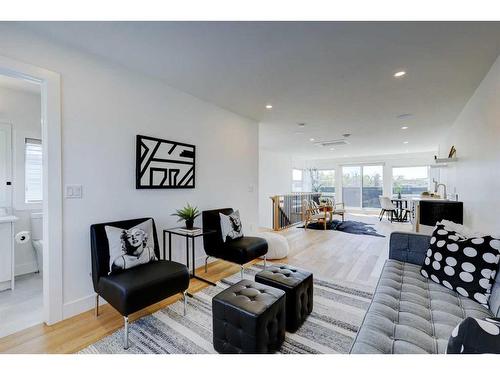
{"x": 372, "y": 185}
{"x": 33, "y": 170}
{"x": 297, "y": 181}
{"x": 326, "y": 181}
{"x": 410, "y": 180}
{"x": 351, "y": 186}
{"x": 362, "y": 185}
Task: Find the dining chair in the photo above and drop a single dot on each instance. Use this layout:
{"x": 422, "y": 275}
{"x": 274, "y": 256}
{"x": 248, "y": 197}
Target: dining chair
{"x": 387, "y": 207}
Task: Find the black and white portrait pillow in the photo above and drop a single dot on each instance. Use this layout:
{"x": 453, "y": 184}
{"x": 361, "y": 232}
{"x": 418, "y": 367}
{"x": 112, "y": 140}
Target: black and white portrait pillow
{"x": 475, "y": 336}
{"x": 130, "y": 247}
{"x": 230, "y": 226}
{"x": 465, "y": 265}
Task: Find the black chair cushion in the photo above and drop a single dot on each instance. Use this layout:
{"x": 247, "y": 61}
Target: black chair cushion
{"x": 139, "y": 287}
{"x": 298, "y": 286}
{"x": 242, "y": 250}
{"x": 248, "y": 317}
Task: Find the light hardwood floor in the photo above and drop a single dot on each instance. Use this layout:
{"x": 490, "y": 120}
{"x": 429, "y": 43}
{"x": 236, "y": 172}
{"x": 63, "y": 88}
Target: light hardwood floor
{"x": 353, "y": 259}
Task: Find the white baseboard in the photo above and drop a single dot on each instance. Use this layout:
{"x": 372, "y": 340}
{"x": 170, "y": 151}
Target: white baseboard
{"x": 25, "y": 268}
{"x": 80, "y": 305}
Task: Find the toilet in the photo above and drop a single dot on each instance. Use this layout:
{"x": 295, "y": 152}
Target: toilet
{"x": 37, "y": 237}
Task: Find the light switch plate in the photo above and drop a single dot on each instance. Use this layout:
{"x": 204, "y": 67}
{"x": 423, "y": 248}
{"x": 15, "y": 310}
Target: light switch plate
{"x": 73, "y": 191}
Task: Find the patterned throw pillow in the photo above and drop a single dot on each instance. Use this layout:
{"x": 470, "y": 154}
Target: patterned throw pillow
{"x": 230, "y": 226}
{"x": 130, "y": 247}
{"x": 475, "y": 336}
{"x": 465, "y": 265}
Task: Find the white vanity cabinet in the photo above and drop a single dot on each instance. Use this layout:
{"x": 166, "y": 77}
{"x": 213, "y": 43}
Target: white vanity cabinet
{"x": 7, "y": 259}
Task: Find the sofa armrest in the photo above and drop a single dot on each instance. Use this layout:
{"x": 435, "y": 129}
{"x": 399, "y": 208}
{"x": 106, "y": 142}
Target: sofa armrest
{"x": 408, "y": 247}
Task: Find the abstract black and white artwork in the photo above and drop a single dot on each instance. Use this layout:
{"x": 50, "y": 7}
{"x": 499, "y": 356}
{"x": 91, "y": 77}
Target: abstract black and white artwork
{"x": 162, "y": 164}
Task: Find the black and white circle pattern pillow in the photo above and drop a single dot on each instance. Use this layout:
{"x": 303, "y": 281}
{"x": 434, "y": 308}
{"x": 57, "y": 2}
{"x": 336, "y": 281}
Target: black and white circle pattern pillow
{"x": 465, "y": 265}
{"x": 475, "y": 336}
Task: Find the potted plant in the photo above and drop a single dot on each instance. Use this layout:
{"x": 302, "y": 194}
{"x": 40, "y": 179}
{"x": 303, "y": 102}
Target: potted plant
{"x": 188, "y": 214}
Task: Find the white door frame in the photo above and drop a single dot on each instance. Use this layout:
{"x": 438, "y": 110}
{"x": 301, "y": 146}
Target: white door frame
{"x": 7, "y": 125}
{"x": 52, "y": 180}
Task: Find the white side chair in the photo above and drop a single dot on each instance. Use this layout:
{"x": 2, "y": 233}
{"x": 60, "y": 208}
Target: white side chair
{"x": 387, "y": 207}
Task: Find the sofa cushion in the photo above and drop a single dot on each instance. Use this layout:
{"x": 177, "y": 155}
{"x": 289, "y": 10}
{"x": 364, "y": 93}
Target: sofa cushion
{"x": 411, "y": 314}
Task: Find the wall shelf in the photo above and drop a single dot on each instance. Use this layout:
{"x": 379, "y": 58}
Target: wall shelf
{"x": 445, "y": 160}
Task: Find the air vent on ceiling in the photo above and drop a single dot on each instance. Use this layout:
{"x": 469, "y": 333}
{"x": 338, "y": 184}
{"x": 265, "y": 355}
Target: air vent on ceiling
{"x": 335, "y": 142}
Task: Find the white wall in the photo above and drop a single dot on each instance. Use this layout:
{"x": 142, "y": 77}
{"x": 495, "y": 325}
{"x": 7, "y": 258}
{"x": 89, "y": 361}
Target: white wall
{"x": 275, "y": 177}
{"x": 22, "y": 110}
{"x": 104, "y": 106}
{"x": 476, "y": 174}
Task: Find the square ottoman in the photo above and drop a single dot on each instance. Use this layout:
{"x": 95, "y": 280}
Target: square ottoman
{"x": 298, "y": 286}
{"x": 248, "y": 317}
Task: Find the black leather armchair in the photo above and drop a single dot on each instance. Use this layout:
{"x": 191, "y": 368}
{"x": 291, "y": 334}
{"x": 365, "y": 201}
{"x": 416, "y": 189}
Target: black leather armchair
{"x": 240, "y": 250}
{"x": 136, "y": 288}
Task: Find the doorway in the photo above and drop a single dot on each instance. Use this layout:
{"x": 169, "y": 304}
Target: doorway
{"x": 50, "y": 207}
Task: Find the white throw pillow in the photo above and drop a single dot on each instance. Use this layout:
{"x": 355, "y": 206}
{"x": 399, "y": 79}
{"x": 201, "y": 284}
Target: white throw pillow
{"x": 230, "y": 226}
{"x": 130, "y": 247}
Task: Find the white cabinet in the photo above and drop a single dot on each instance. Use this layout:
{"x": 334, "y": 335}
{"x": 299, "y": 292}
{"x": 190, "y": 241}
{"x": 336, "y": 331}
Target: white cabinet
{"x": 7, "y": 260}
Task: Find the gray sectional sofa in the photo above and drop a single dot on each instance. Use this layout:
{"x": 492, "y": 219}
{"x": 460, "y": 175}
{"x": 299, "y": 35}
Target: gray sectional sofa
{"x": 411, "y": 314}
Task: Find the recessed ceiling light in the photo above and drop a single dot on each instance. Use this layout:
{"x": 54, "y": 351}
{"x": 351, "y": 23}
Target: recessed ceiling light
{"x": 269, "y": 106}
{"x": 404, "y": 127}
{"x": 405, "y": 142}
{"x": 332, "y": 149}
{"x": 311, "y": 139}
{"x": 399, "y": 74}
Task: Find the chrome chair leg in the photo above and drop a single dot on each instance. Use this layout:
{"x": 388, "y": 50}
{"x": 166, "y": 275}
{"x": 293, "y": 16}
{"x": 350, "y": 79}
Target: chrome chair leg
{"x": 265, "y": 262}
{"x": 97, "y": 305}
{"x": 241, "y": 272}
{"x": 125, "y": 332}
{"x": 206, "y": 264}
{"x": 184, "y": 298}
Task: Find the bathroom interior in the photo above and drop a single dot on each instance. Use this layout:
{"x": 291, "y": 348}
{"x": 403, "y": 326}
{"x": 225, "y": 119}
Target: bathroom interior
{"x": 21, "y": 234}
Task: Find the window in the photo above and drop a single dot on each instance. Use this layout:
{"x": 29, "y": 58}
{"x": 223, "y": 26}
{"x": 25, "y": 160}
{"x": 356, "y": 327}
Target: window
{"x": 297, "y": 181}
{"x": 372, "y": 185}
{"x": 410, "y": 180}
{"x": 33, "y": 170}
{"x": 326, "y": 181}
{"x": 362, "y": 185}
{"x": 351, "y": 186}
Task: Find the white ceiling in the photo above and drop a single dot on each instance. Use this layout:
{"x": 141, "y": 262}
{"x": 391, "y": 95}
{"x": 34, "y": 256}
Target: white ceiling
{"x": 335, "y": 76}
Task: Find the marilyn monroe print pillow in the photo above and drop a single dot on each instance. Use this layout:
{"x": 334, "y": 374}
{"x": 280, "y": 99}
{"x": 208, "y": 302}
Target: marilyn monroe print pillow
{"x": 129, "y": 248}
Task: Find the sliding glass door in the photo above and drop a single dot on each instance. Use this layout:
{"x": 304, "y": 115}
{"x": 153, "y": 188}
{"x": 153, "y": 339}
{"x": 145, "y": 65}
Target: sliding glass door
{"x": 372, "y": 185}
{"x": 351, "y": 186}
{"x": 362, "y": 185}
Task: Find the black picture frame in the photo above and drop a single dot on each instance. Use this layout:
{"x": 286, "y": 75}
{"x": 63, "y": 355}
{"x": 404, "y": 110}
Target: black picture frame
{"x": 151, "y": 161}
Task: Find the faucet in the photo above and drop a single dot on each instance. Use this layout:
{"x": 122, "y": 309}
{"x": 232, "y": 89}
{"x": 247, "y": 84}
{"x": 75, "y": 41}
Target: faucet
{"x": 445, "y": 196}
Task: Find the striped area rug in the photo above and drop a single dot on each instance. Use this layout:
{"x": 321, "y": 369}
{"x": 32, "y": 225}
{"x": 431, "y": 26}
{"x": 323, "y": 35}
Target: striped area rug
{"x": 331, "y": 328}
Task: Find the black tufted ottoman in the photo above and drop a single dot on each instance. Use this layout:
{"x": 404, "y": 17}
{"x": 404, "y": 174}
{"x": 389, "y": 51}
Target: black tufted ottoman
{"x": 298, "y": 285}
{"x": 248, "y": 317}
